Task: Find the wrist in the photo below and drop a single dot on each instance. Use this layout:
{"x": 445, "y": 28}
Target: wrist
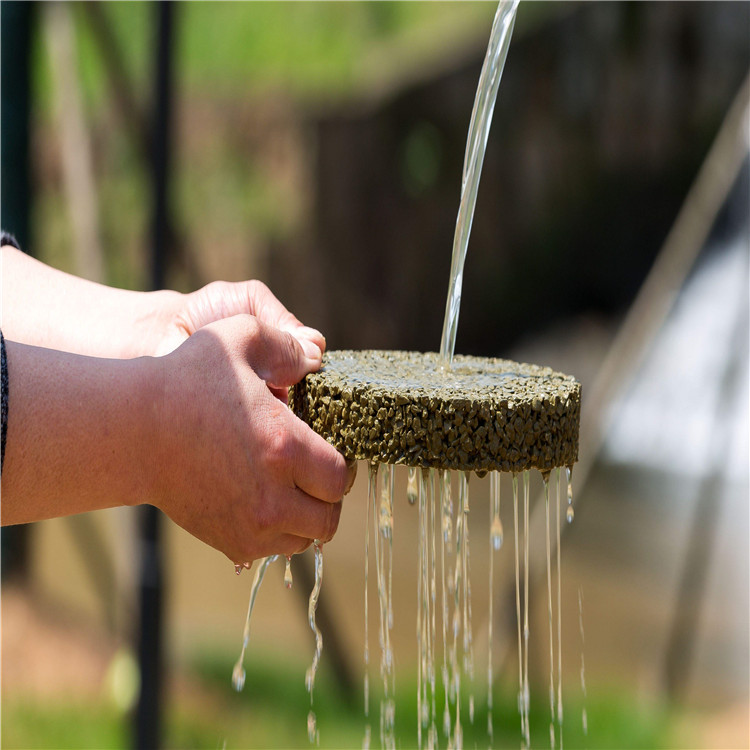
{"x": 154, "y": 331}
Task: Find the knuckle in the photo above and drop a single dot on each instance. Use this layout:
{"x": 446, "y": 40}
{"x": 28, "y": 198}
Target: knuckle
{"x": 332, "y": 521}
{"x": 268, "y": 517}
{"x": 280, "y": 452}
{"x": 338, "y": 474}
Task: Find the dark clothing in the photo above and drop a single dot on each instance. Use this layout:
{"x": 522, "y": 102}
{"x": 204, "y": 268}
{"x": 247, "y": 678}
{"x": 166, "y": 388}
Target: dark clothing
{"x": 5, "y": 239}
{"x": 3, "y": 400}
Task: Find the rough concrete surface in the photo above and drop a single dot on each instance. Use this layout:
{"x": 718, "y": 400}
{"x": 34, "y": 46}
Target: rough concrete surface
{"x": 481, "y": 414}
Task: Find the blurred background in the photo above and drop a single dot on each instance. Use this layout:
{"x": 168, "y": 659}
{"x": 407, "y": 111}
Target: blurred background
{"x": 319, "y": 147}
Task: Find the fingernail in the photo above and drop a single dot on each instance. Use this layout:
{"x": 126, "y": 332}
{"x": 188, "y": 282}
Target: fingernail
{"x": 310, "y": 348}
{"x": 311, "y": 333}
{"x": 351, "y": 466}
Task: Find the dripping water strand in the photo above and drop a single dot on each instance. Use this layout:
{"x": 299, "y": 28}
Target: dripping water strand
{"x": 468, "y": 660}
{"x": 312, "y": 605}
{"x": 446, "y": 524}
{"x": 496, "y": 540}
{"x": 517, "y": 540}
{"x": 570, "y": 513}
{"x": 545, "y": 477}
{"x": 457, "y": 591}
{"x": 425, "y": 602}
{"x": 420, "y": 639}
{"x": 411, "y": 486}
{"x": 238, "y": 673}
{"x": 526, "y": 630}
{"x": 288, "y": 580}
{"x": 375, "y": 470}
{"x": 479, "y": 128}
{"x": 385, "y": 588}
{"x": 559, "y": 618}
{"x": 432, "y": 739}
{"x": 371, "y": 469}
{"x": 584, "y": 714}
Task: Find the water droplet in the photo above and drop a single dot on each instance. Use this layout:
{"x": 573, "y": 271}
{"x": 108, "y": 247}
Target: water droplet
{"x": 471, "y": 709}
{"x": 288, "y": 572}
{"x": 585, "y": 721}
{"x": 312, "y": 730}
{"x": 446, "y": 721}
{"x": 496, "y": 533}
{"x": 411, "y": 486}
{"x": 570, "y": 514}
{"x": 238, "y": 568}
{"x": 238, "y": 677}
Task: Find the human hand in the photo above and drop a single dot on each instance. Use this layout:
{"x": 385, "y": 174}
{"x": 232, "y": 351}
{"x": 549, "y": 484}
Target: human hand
{"x": 232, "y": 465}
{"x": 184, "y": 314}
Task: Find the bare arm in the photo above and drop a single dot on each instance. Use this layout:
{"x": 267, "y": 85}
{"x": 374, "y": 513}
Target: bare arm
{"x": 197, "y": 433}
{"x": 46, "y": 307}
{"x": 121, "y": 398}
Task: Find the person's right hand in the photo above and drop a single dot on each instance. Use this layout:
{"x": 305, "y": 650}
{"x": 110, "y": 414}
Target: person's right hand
{"x": 231, "y": 463}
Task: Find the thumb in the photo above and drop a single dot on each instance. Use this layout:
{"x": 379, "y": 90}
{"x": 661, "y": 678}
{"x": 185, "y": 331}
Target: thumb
{"x": 278, "y": 357}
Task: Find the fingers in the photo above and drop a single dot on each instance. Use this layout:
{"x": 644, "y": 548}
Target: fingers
{"x": 222, "y": 299}
{"x": 262, "y": 303}
{"x": 311, "y": 518}
{"x": 276, "y": 356}
{"x": 317, "y": 467}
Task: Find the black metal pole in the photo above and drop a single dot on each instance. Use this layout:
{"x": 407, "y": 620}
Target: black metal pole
{"x": 148, "y": 712}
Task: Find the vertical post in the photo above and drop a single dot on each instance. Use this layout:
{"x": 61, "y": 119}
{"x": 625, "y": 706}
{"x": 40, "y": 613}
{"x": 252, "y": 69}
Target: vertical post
{"x": 148, "y": 712}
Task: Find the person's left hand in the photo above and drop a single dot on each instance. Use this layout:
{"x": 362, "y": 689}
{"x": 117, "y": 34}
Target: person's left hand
{"x": 187, "y": 313}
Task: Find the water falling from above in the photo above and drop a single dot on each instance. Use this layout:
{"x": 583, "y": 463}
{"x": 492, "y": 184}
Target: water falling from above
{"x": 481, "y": 118}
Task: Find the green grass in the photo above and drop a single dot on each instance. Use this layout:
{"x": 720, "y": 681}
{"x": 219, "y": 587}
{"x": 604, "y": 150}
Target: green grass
{"x": 272, "y": 709}
{"x": 271, "y": 712}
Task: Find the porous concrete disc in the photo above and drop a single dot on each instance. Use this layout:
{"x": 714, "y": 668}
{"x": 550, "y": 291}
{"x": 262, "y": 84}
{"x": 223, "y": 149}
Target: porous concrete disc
{"x": 481, "y": 414}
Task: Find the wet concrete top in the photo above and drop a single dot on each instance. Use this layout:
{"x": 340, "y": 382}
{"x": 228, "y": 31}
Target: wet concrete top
{"x": 405, "y": 408}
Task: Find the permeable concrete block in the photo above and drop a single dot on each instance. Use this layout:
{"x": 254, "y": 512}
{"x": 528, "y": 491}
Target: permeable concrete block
{"x": 478, "y": 415}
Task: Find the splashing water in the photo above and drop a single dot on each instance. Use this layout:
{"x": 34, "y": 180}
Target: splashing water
{"x": 476, "y": 143}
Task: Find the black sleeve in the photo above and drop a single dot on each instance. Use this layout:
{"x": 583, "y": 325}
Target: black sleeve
{"x": 8, "y": 239}
{"x": 5, "y": 239}
{"x": 3, "y": 400}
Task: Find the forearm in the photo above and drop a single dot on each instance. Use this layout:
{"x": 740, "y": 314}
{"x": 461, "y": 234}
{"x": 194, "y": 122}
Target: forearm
{"x": 77, "y": 431}
{"x": 42, "y": 306}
